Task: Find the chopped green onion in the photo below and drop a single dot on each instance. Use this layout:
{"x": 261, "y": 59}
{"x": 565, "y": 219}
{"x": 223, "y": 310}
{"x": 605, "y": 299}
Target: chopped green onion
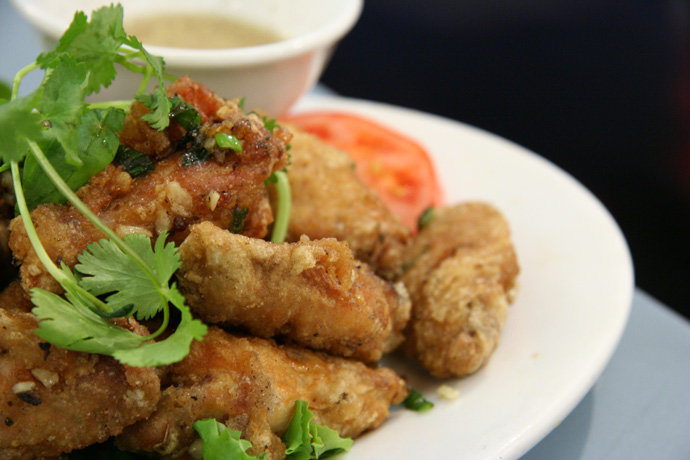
{"x": 425, "y": 218}
{"x": 227, "y": 141}
{"x": 280, "y": 226}
{"x": 238, "y": 217}
{"x": 416, "y": 402}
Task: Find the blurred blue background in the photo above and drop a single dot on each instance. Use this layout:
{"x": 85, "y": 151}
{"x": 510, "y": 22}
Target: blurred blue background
{"x": 599, "y": 87}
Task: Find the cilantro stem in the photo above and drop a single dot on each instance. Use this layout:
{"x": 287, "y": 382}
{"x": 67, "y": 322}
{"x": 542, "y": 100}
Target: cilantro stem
{"x": 43, "y": 256}
{"x": 90, "y": 215}
{"x": 280, "y": 225}
{"x": 18, "y": 78}
{"x": 145, "y": 81}
{"x": 124, "y": 62}
{"x": 126, "y": 56}
{"x": 123, "y": 105}
{"x": 162, "y": 328}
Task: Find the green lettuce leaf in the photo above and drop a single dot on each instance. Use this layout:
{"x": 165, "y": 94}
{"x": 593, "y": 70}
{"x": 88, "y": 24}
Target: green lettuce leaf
{"x": 221, "y": 443}
{"x": 306, "y": 440}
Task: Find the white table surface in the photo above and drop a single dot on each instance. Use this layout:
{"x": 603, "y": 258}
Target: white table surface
{"x": 640, "y": 406}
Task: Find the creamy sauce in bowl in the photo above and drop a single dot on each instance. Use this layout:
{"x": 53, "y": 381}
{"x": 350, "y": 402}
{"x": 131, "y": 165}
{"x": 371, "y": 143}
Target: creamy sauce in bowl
{"x": 199, "y": 31}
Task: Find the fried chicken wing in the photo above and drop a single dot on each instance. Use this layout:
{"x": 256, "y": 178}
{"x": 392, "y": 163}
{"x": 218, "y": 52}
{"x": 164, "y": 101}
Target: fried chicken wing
{"x": 251, "y": 385}
{"x": 55, "y": 401}
{"x": 227, "y": 188}
{"x": 311, "y": 292}
{"x": 461, "y": 277}
{"x": 329, "y": 201}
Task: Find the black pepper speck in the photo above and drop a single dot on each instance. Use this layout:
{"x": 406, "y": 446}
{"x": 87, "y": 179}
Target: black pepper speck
{"x": 29, "y": 397}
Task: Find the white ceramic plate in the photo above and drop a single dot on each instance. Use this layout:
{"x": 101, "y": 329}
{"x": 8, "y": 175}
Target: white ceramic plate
{"x": 576, "y": 286}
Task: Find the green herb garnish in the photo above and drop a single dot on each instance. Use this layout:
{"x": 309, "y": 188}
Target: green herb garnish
{"x": 426, "y": 217}
{"x": 416, "y": 402}
{"x": 184, "y": 114}
{"x": 194, "y": 155}
{"x": 227, "y": 141}
{"x": 284, "y": 194}
{"x": 53, "y": 142}
{"x": 238, "y": 216}
{"x": 305, "y": 440}
{"x": 5, "y": 92}
{"x": 133, "y": 162}
{"x": 221, "y": 443}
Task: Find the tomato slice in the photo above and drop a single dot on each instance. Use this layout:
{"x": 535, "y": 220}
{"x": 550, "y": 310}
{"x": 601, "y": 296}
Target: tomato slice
{"x": 398, "y": 168}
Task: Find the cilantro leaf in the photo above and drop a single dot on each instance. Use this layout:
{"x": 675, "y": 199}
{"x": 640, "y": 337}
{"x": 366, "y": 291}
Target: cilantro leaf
{"x": 185, "y": 114}
{"x": 160, "y": 108}
{"x": 5, "y": 92}
{"x": 306, "y": 440}
{"x": 71, "y": 325}
{"x": 98, "y": 143}
{"x": 19, "y": 122}
{"x": 171, "y": 350}
{"x": 96, "y": 43}
{"x": 158, "y": 101}
{"x": 63, "y": 103}
{"x": 62, "y": 141}
{"x": 111, "y": 271}
{"x": 78, "y": 141}
{"x": 221, "y": 443}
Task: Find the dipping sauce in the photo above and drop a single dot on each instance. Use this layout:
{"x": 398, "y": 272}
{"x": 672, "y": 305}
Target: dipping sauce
{"x": 199, "y": 31}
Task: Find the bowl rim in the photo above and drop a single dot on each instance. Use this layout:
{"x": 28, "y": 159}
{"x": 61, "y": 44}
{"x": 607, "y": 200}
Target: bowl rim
{"x": 327, "y": 34}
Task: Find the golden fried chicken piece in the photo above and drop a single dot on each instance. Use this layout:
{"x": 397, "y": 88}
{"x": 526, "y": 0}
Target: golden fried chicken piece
{"x": 54, "y": 400}
{"x": 311, "y": 292}
{"x": 461, "y": 278}
{"x": 227, "y": 189}
{"x": 15, "y": 298}
{"x": 329, "y": 201}
{"x": 251, "y": 385}
{"x": 139, "y": 135}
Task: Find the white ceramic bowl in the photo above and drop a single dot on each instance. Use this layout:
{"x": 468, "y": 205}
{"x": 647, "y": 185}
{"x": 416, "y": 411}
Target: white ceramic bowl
{"x": 271, "y": 77}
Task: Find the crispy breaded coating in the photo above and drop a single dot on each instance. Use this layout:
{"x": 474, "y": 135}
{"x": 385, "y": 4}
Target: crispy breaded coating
{"x": 15, "y": 298}
{"x": 329, "y": 201}
{"x": 311, "y": 292}
{"x": 227, "y": 189}
{"x": 461, "y": 276}
{"x": 54, "y": 400}
{"x": 251, "y": 385}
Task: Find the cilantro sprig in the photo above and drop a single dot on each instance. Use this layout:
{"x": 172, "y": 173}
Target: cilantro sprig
{"x": 53, "y": 142}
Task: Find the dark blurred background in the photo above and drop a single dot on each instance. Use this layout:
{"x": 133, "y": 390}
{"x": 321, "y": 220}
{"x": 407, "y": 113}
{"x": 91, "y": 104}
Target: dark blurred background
{"x": 599, "y": 87}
